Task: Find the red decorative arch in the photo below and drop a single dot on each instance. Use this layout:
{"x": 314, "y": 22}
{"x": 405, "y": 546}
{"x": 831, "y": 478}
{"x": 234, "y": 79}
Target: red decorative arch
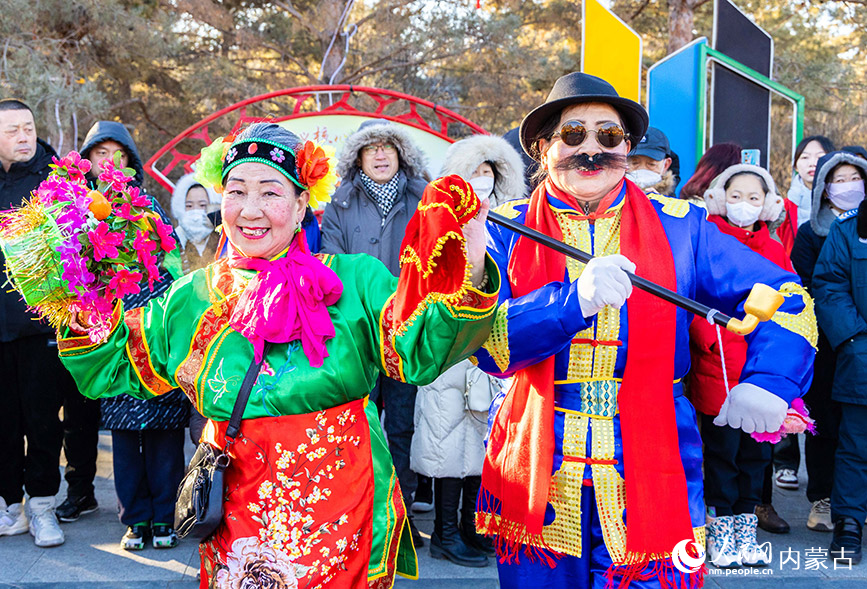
{"x": 307, "y": 101}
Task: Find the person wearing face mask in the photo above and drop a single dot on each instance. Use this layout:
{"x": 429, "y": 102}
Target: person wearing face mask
{"x": 841, "y": 307}
{"x": 740, "y": 202}
{"x": 191, "y": 203}
{"x": 835, "y": 189}
{"x": 450, "y": 413}
{"x": 650, "y": 162}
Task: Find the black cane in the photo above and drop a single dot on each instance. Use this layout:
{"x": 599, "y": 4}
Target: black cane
{"x": 660, "y": 291}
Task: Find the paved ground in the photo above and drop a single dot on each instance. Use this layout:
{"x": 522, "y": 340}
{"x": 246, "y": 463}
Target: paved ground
{"x": 92, "y": 559}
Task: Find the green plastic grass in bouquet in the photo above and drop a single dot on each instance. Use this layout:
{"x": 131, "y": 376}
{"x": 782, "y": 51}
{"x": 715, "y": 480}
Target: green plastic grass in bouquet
{"x": 73, "y": 249}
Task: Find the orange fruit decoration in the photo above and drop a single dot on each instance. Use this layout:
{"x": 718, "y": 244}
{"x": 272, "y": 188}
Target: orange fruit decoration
{"x": 99, "y": 206}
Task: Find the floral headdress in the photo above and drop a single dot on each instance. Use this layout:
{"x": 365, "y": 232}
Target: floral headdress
{"x": 307, "y": 165}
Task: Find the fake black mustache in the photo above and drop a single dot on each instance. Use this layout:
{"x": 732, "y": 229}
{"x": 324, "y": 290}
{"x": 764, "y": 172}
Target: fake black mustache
{"x": 591, "y": 163}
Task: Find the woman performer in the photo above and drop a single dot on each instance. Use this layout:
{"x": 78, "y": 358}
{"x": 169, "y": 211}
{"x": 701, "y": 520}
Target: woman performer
{"x": 311, "y": 495}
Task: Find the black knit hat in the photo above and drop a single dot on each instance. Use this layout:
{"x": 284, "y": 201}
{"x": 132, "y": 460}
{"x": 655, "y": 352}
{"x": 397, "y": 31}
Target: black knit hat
{"x": 578, "y": 88}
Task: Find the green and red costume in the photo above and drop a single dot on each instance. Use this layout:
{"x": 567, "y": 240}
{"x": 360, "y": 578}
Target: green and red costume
{"x": 312, "y": 499}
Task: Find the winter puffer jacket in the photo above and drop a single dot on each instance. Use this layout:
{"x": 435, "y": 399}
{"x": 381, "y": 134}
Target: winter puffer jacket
{"x": 449, "y": 439}
{"x": 16, "y": 184}
{"x": 352, "y": 223}
{"x": 706, "y": 386}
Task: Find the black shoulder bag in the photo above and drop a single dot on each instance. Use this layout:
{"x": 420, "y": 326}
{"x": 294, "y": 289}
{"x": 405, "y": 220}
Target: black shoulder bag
{"x": 199, "y": 505}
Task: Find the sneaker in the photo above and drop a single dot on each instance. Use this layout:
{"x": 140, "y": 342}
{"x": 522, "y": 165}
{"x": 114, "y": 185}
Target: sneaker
{"x": 13, "y": 520}
{"x": 135, "y": 536}
{"x": 422, "y": 507}
{"x": 752, "y": 554}
{"x": 73, "y": 508}
{"x": 819, "y": 519}
{"x": 44, "y": 526}
{"x": 722, "y": 547}
{"x": 164, "y": 536}
{"x": 786, "y": 478}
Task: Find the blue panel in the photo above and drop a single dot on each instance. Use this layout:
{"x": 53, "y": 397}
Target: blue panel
{"x": 673, "y": 103}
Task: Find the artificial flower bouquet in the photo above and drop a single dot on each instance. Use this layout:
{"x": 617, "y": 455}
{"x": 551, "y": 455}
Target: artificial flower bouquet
{"x": 797, "y": 421}
{"x": 70, "y": 249}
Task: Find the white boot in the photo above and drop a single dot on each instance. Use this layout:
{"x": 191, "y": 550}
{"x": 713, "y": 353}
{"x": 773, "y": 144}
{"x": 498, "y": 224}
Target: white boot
{"x": 44, "y": 526}
{"x": 752, "y": 554}
{"x": 722, "y": 547}
{"x": 13, "y": 520}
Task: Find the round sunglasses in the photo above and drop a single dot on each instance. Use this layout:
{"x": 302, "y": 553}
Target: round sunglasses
{"x": 608, "y": 134}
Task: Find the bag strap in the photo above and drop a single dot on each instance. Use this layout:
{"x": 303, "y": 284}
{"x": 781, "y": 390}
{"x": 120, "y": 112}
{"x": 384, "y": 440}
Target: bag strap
{"x": 234, "y": 427}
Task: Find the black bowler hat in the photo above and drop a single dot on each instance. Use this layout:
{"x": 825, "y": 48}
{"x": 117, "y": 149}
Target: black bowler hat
{"x": 578, "y": 88}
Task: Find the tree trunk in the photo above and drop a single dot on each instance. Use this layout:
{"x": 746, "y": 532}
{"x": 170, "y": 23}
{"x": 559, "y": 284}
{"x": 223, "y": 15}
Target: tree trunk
{"x": 681, "y": 14}
{"x": 334, "y": 51}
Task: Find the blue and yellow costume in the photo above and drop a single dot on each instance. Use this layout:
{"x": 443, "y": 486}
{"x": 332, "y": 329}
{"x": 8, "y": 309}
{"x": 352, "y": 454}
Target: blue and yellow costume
{"x": 590, "y": 358}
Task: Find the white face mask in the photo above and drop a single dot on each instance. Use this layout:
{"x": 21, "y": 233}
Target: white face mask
{"x": 483, "y": 186}
{"x": 742, "y": 214}
{"x": 846, "y": 195}
{"x": 196, "y": 225}
{"x": 644, "y": 178}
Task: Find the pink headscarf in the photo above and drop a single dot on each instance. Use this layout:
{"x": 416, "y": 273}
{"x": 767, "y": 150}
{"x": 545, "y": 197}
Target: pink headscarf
{"x": 287, "y": 300}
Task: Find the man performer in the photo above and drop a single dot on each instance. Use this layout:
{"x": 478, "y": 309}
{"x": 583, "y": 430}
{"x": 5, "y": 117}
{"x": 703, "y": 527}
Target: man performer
{"x": 593, "y": 467}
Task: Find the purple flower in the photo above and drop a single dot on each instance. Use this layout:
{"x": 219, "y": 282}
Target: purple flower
{"x": 277, "y": 155}
{"x": 71, "y": 220}
{"x": 75, "y": 272}
{"x": 231, "y": 154}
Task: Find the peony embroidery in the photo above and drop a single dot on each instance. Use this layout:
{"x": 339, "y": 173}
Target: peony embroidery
{"x": 286, "y": 506}
{"x": 251, "y": 564}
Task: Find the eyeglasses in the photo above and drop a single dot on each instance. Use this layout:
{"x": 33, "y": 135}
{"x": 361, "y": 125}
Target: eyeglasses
{"x": 387, "y": 148}
{"x": 608, "y": 135}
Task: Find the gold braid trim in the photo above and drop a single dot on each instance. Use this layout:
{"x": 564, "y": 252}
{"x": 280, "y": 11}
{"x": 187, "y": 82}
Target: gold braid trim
{"x": 497, "y": 344}
{"x": 410, "y": 256}
{"x": 803, "y": 323}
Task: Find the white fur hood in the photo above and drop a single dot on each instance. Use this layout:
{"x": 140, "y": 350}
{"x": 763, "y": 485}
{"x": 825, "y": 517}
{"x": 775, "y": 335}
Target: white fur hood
{"x": 464, "y": 156}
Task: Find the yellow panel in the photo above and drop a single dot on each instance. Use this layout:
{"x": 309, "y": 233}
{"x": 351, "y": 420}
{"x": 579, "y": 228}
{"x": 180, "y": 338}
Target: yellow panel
{"x": 611, "y": 50}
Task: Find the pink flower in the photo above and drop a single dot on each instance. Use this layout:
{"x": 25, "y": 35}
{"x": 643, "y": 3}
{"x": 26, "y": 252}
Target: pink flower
{"x": 143, "y": 244}
{"x": 124, "y": 283}
{"x": 167, "y": 242}
{"x": 137, "y": 199}
{"x": 73, "y": 165}
{"x": 116, "y": 179}
{"x": 53, "y": 189}
{"x": 125, "y": 211}
{"x": 104, "y": 242}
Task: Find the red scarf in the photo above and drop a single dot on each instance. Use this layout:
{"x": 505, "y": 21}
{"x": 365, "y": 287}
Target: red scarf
{"x": 517, "y": 470}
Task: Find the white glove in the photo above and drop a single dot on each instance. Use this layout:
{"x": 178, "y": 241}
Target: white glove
{"x": 604, "y": 282}
{"x": 752, "y": 409}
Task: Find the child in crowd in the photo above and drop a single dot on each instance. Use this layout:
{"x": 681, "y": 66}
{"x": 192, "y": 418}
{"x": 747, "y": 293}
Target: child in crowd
{"x": 741, "y": 202}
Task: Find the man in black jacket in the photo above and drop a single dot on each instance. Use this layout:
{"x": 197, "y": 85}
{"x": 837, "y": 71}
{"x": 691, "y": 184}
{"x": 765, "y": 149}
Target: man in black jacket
{"x": 34, "y": 380}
